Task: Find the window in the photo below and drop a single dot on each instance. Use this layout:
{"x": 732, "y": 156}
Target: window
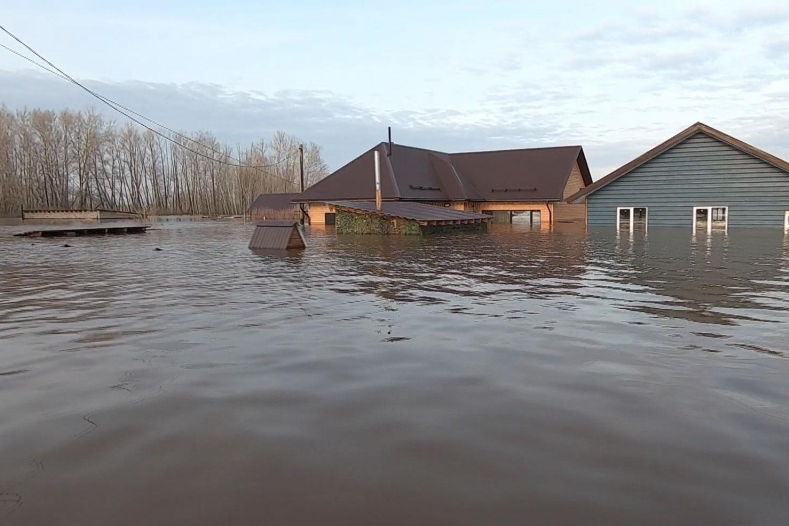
{"x": 330, "y": 219}
{"x": 709, "y": 217}
{"x": 632, "y": 218}
{"x": 786, "y": 221}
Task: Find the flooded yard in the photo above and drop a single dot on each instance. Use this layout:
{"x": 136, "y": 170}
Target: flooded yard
{"x": 516, "y": 377}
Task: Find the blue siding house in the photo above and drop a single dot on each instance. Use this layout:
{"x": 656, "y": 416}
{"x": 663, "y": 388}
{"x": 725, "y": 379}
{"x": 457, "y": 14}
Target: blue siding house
{"x": 701, "y": 178}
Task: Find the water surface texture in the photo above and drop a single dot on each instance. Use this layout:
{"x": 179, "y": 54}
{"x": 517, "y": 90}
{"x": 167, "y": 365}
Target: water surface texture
{"x": 517, "y": 377}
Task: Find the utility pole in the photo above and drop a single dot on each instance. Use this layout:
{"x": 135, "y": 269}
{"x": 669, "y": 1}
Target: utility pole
{"x": 301, "y": 190}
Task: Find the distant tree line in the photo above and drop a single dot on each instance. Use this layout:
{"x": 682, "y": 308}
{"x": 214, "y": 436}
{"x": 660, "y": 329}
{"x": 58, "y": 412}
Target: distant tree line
{"x": 83, "y": 160}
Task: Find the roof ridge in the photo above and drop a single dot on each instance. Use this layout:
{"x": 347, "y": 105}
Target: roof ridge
{"x": 519, "y": 149}
{"x": 483, "y": 151}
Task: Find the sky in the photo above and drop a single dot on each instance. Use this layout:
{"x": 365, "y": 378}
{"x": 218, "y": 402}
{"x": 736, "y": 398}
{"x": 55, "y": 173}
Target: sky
{"x": 617, "y": 77}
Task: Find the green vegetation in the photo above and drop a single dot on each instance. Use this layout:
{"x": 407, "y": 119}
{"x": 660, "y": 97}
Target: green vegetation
{"x": 350, "y": 223}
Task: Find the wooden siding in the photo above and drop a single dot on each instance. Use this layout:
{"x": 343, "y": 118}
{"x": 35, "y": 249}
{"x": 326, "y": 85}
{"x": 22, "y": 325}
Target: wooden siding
{"x": 318, "y": 213}
{"x": 569, "y": 213}
{"x": 701, "y": 171}
{"x": 296, "y": 241}
{"x": 575, "y": 183}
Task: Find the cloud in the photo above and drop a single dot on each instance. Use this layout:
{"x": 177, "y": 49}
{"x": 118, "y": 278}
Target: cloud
{"x": 340, "y": 126}
{"x": 618, "y": 88}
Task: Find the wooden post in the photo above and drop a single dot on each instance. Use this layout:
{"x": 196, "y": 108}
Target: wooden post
{"x": 378, "y": 203}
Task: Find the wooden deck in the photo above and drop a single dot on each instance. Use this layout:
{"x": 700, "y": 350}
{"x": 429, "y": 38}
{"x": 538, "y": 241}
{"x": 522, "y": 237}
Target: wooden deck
{"x": 70, "y": 215}
{"x": 85, "y": 231}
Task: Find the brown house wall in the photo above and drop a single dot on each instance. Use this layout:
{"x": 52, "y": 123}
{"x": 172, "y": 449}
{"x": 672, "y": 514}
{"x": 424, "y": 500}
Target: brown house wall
{"x": 575, "y": 183}
{"x": 567, "y": 213}
{"x": 318, "y": 213}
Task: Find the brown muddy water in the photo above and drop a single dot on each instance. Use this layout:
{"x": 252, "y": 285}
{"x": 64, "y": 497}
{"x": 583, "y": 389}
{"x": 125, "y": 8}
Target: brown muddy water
{"x": 518, "y": 377}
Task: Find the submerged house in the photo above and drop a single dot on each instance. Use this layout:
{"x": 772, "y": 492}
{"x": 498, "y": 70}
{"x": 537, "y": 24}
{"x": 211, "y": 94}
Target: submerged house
{"x": 529, "y": 185}
{"x": 274, "y": 206}
{"x": 701, "y": 178}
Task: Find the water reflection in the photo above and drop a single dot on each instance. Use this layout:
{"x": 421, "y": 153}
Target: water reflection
{"x": 518, "y": 376}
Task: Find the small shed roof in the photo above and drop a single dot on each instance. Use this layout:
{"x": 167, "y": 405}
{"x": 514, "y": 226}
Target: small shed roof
{"x": 277, "y": 235}
{"x": 411, "y": 211}
{"x": 685, "y": 134}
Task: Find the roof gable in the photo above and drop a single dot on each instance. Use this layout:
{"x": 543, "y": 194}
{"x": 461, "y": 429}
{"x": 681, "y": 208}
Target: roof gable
{"x": 536, "y": 174}
{"x": 355, "y": 180}
{"x": 675, "y": 141}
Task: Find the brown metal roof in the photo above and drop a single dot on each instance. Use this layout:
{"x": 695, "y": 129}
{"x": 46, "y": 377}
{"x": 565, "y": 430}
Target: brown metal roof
{"x": 411, "y": 210}
{"x": 277, "y": 235}
{"x": 674, "y": 141}
{"x": 273, "y": 202}
{"x": 533, "y": 174}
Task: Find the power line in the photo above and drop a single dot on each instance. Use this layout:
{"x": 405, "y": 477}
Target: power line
{"x": 112, "y": 104}
{"x": 115, "y": 106}
{"x": 107, "y": 99}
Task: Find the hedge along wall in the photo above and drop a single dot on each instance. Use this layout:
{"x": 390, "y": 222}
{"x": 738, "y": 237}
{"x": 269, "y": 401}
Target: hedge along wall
{"x": 351, "y": 223}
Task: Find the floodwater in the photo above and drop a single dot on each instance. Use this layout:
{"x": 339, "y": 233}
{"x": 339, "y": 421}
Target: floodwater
{"x": 517, "y": 377}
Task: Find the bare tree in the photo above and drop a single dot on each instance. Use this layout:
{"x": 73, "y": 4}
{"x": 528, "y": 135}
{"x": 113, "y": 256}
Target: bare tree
{"x": 83, "y": 160}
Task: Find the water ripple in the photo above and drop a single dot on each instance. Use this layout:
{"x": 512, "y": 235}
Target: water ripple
{"x": 514, "y": 377}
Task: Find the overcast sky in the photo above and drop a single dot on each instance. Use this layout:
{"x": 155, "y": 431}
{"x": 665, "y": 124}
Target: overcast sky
{"x": 453, "y": 75}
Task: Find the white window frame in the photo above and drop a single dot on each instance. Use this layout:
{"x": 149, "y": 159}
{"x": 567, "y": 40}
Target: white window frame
{"x": 786, "y": 221}
{"x": 709, "y": 217}
{"x": 632, "y": 210}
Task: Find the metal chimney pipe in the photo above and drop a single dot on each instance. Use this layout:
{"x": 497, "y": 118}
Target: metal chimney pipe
{"x": 389, "y": 152}
{"x": 377, "y": 180}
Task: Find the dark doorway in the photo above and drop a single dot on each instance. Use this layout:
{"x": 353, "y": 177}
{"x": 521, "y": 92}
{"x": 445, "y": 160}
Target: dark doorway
{"x": 330, "y": 219}
{"x": 529, "y": 217}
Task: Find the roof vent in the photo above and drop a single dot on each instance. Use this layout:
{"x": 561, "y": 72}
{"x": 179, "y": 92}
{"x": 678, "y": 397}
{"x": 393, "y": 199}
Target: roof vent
{"x": 420, "y": 187}
{"x": 530, "y": 189}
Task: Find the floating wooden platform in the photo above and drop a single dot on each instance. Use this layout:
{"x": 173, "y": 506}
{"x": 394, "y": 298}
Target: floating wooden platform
{"x": 70, "y": 215}
{"x": 85, "y": 231}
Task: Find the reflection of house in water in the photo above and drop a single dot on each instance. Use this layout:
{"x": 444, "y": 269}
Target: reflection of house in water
{"x": 704, "y": 278}
{"x": 510, "y": 260}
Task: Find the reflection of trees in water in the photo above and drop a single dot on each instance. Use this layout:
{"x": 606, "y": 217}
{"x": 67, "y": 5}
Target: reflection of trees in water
{"x": 436, "y": 269}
